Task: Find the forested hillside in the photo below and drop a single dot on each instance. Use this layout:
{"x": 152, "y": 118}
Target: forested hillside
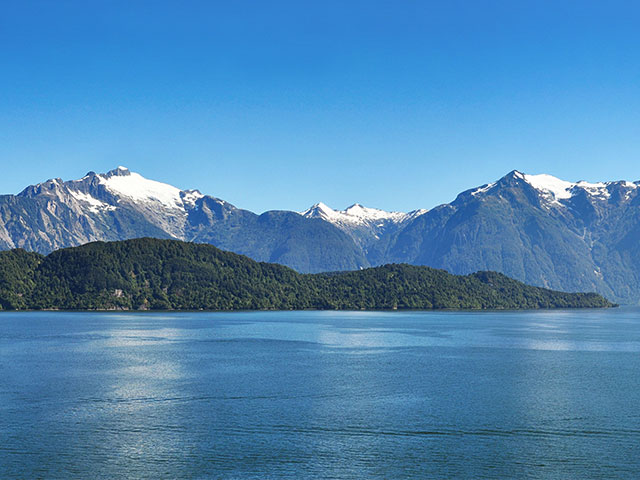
{"x": 168, "y": 274}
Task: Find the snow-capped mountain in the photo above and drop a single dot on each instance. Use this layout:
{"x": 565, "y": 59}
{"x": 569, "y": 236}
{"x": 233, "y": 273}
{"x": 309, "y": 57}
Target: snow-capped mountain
{"x": 98, "y": 198}
{"x": 121, "y": 204}
{"x": 356, "y": 214}
{"x": 575, "y": 236}
{"x": 365, "y": 225}
{"x": 553, "y": 191}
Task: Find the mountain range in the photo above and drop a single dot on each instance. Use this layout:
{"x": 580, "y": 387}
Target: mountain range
{"x": 572, "y": 236}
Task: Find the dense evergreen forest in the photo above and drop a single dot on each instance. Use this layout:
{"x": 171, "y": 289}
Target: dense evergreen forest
{"x": 172, "y": 275}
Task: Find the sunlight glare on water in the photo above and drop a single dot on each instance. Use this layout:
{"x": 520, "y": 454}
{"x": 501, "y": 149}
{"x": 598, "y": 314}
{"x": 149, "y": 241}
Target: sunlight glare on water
{"x": 550, "y": 394}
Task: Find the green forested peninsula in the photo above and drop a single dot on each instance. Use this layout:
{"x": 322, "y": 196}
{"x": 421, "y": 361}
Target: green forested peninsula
{"x": 172, "y": 275}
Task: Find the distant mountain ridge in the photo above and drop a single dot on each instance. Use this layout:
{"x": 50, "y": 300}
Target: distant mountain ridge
{"x": 573, "y": 236}
{"x": 368, "y": 227}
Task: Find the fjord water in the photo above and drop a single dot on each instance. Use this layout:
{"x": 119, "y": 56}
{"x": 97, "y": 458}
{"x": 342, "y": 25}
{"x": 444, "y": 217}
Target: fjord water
{"x": 550, "y": 394}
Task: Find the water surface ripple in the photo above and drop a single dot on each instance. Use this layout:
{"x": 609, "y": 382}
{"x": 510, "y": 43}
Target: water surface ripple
{"x": 306, "y": 395}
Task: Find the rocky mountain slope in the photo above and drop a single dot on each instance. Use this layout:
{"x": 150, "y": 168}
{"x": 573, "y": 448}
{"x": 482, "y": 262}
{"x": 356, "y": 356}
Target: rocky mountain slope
{"x": 535, "y": 228}
{"x": 538, "y": 229}
{"x": 121, "y": 204}
{"x": 370, "y": 228}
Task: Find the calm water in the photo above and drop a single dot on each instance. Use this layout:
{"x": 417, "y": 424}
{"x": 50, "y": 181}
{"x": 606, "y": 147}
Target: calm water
{"x": 300, "y": 395}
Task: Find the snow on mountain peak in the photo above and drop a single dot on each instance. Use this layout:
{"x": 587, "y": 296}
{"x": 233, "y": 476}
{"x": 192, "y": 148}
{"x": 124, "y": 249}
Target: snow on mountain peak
{"x": 117, "y": 172}
{"x": 555, "y": 189}
{"x": 560, "y": 189}
{"x": 320, "y": 210}
{"x": 123, "y": 182}
{"x": 353, "y": 215}
{"x": 191, "y": 196}
{"x": 483, "y": 189}
{"x": 94, "y": 205}
{"x": 359, "y": 211}
{"x": 323, "y": 207}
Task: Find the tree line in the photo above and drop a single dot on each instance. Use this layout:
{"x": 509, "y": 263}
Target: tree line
{"x": 155, "y": 274}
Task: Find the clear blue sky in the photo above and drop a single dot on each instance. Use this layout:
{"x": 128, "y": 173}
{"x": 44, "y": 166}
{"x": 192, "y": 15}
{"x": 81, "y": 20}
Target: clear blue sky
{"x": 278, "y": 105}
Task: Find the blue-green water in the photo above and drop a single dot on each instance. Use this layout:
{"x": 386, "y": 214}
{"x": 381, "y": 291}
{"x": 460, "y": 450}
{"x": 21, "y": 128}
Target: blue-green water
{"x": 301, "y": 395}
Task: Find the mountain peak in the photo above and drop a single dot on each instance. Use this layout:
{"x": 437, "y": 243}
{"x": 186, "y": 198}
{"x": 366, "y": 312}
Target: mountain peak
{"x": 552, "y": 189}
{"x": 123, "y": 182}
{"x": 319, "y": 210}
{"x": 359, "y": 210}
{"x": 559, "y": 189}
{"x": 118, "y": 172}
{"x": 555, "y": 189}
{"x": 354, "y": 214}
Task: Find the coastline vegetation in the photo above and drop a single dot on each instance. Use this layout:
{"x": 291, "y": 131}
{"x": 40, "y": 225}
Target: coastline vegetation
{"x": 153, "y": 274}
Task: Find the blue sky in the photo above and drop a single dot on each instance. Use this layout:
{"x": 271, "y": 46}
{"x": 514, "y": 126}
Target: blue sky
{"x": 279, "y": 105}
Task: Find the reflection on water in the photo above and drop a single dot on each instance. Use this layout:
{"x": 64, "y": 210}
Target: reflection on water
{"x": 320, "y": 395}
